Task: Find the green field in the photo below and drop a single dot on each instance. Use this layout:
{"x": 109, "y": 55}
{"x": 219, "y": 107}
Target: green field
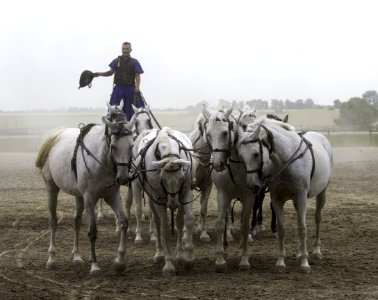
{"x": 24, "y": 132}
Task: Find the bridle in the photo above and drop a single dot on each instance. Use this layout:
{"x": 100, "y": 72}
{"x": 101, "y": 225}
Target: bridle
{"x": 223, "y": 150}
{"x": 271, "y": 148}
{"x": 123, "y": 132}
{"x": 149, "y": 122}
{"x": 262, "y": 143}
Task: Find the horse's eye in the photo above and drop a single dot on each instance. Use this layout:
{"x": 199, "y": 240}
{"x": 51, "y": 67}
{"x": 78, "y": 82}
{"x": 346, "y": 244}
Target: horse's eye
{"x": 256, "y": 155}
{"x": 225, "y": 133}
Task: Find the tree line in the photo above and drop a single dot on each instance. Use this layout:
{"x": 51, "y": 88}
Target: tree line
{"x": 357, "y": 112}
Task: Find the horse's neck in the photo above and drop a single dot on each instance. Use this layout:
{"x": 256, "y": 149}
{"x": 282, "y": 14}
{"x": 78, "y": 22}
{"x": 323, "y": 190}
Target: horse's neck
{"x": 285, "y": 144}
{"x": 96, "y": 142}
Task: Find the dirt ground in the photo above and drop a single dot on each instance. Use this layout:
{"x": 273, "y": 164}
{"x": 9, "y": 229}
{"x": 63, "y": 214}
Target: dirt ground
{"x": 349, "y": 268}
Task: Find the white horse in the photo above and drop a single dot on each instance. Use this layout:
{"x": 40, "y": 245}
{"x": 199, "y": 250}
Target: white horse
{"x": 293, "y": 166}
{"x": 203, "y": 181}
{"x": 93, "y": 169}
{"x": 164, "y": 169}
{"x": 230, "y": 181}
{"x": 143, "y": 126}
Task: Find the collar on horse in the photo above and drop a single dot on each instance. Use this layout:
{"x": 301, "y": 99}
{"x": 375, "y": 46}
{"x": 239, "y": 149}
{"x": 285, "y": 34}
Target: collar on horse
{"x": 84, "y": 129}
{"x": 271, "y": 148}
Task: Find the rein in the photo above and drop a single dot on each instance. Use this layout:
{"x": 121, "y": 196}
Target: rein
{"x": 84, "y": 130}
{"x": 295, "y": 156}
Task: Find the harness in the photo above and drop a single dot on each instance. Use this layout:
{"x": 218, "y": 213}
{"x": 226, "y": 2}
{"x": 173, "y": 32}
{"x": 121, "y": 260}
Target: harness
{"x": 84, "y": 129}
{"x": 270, "y": 146}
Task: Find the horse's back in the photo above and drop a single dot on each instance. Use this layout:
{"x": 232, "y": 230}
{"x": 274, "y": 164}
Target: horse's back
{"x": 58, "y": 164}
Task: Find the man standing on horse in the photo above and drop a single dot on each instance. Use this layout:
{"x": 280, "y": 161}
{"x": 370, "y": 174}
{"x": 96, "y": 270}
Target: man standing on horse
{"x": 126, "y": 85}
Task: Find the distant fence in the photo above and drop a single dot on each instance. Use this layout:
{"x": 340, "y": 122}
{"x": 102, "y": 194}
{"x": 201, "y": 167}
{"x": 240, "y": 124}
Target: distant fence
{"x": 29, "y": 139}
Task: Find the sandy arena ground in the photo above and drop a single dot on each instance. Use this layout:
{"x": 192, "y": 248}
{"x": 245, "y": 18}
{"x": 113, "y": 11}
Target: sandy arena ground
{"x": 349, "y": 268}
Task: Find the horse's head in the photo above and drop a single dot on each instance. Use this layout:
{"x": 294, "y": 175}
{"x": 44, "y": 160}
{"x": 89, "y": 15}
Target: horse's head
{"x": 246, "y": 116}
{"x": 171, "y": 167}
{"x": 120, "y": 140}
{"x": 143, "y": 119}
{"x": 253, "y": 150}
{"x": 218, "y": 130}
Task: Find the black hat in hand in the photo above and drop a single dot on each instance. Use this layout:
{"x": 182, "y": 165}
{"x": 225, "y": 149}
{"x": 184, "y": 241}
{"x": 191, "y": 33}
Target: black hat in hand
{"x": 86, "y": 78}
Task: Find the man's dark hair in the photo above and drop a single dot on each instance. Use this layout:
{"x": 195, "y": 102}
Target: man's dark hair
{"x": 127, "y": 43}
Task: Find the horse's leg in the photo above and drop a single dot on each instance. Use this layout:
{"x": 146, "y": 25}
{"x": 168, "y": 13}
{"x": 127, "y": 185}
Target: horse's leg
{"x": 223, "y": 206}
{"x": 301, "y": 206}
{"x": 260, "y": 198}
{"x": 279, "y": 209}
{"x": 169, "y": 269}
{"x": 273, "y": 223}
{"x": 229, "y": 225}
{"x": 180, "y": 231}
{"x": 77, "y": 260}
{"x": 153, "y": 237}
{"x": 205, "y": 194}
{"x": 320, "y": 201}
{"x": 159, "y": 255}
{"x": 188, "y": 221}
{"x": 248, "y": 203}
{"x": 254, "y": 228}
{"x": 52, "y": 195}
{"x": 116, "y": 204}
{"x": 129, "y": 202}
{"x": 92, "y": 232}
{"x": 137, "y": 195}
{"x": 100, "y": 211}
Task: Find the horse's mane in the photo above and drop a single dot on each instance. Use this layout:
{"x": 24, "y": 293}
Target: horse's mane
{"x": 44, "y": 151}
{"x": 273, "y": 122}
{"x": 164, "y": 140}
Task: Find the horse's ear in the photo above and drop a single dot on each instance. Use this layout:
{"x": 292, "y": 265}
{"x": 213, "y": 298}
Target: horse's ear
{"x": 256, "y": 133}
{"x": 121, "y": 104}
{"x": 132, "y": 122}
{"x": 205, "y": 111}
{"x": 106, "y": 121}
{"x": 134, "y": 108}
{"x": 229, "y": 111}
{"x": 286, "y": 119}
{"x": 181, "y": 162}
{"x": 109, "y": 106}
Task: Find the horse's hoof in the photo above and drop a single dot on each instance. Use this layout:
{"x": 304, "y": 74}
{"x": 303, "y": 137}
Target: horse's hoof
{"x": 280, "y": 268}
{"x": 100, "y": 219}
{"x": 250, "y": 239}
{"x": 168, "y": 273}
{"x": 262, "y": 227}
{"x": 119, "y": 268}
{"x": 158, "y": 259}
{"x": 51, "y": 265}
{"x": 188, "y": 265}
{"x": 138, "y": 242}
{"x": 244, "y": 268}
{"x": 305, "y": 269}
{"x": 222, "y": 268}
{"x": 78, "y": 263}
{"x": 317, "y": 255}
{"x": 205, "y": 238}
{"x": 95, "y": 273}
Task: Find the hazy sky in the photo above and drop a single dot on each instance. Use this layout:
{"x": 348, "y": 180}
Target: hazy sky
{"x": 190, "y": 50}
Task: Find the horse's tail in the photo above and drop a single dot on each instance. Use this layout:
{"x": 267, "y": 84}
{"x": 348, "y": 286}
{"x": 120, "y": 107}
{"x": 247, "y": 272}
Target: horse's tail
{"x": 44, "y": 150}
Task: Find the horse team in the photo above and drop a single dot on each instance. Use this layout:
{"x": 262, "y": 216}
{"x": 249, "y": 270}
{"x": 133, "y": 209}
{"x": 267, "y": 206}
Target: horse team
{"x": 241, "y": 157}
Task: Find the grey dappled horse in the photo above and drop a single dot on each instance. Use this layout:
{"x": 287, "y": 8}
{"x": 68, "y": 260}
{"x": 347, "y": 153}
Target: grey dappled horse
{"x": 143, "y": 126}
{"x": 293, "y": 166}
{"x": 229, "y": 177}
{"x": 164, "y": 169}
{"x": 94, "y": 168}
{"x": 203, "y": 181}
